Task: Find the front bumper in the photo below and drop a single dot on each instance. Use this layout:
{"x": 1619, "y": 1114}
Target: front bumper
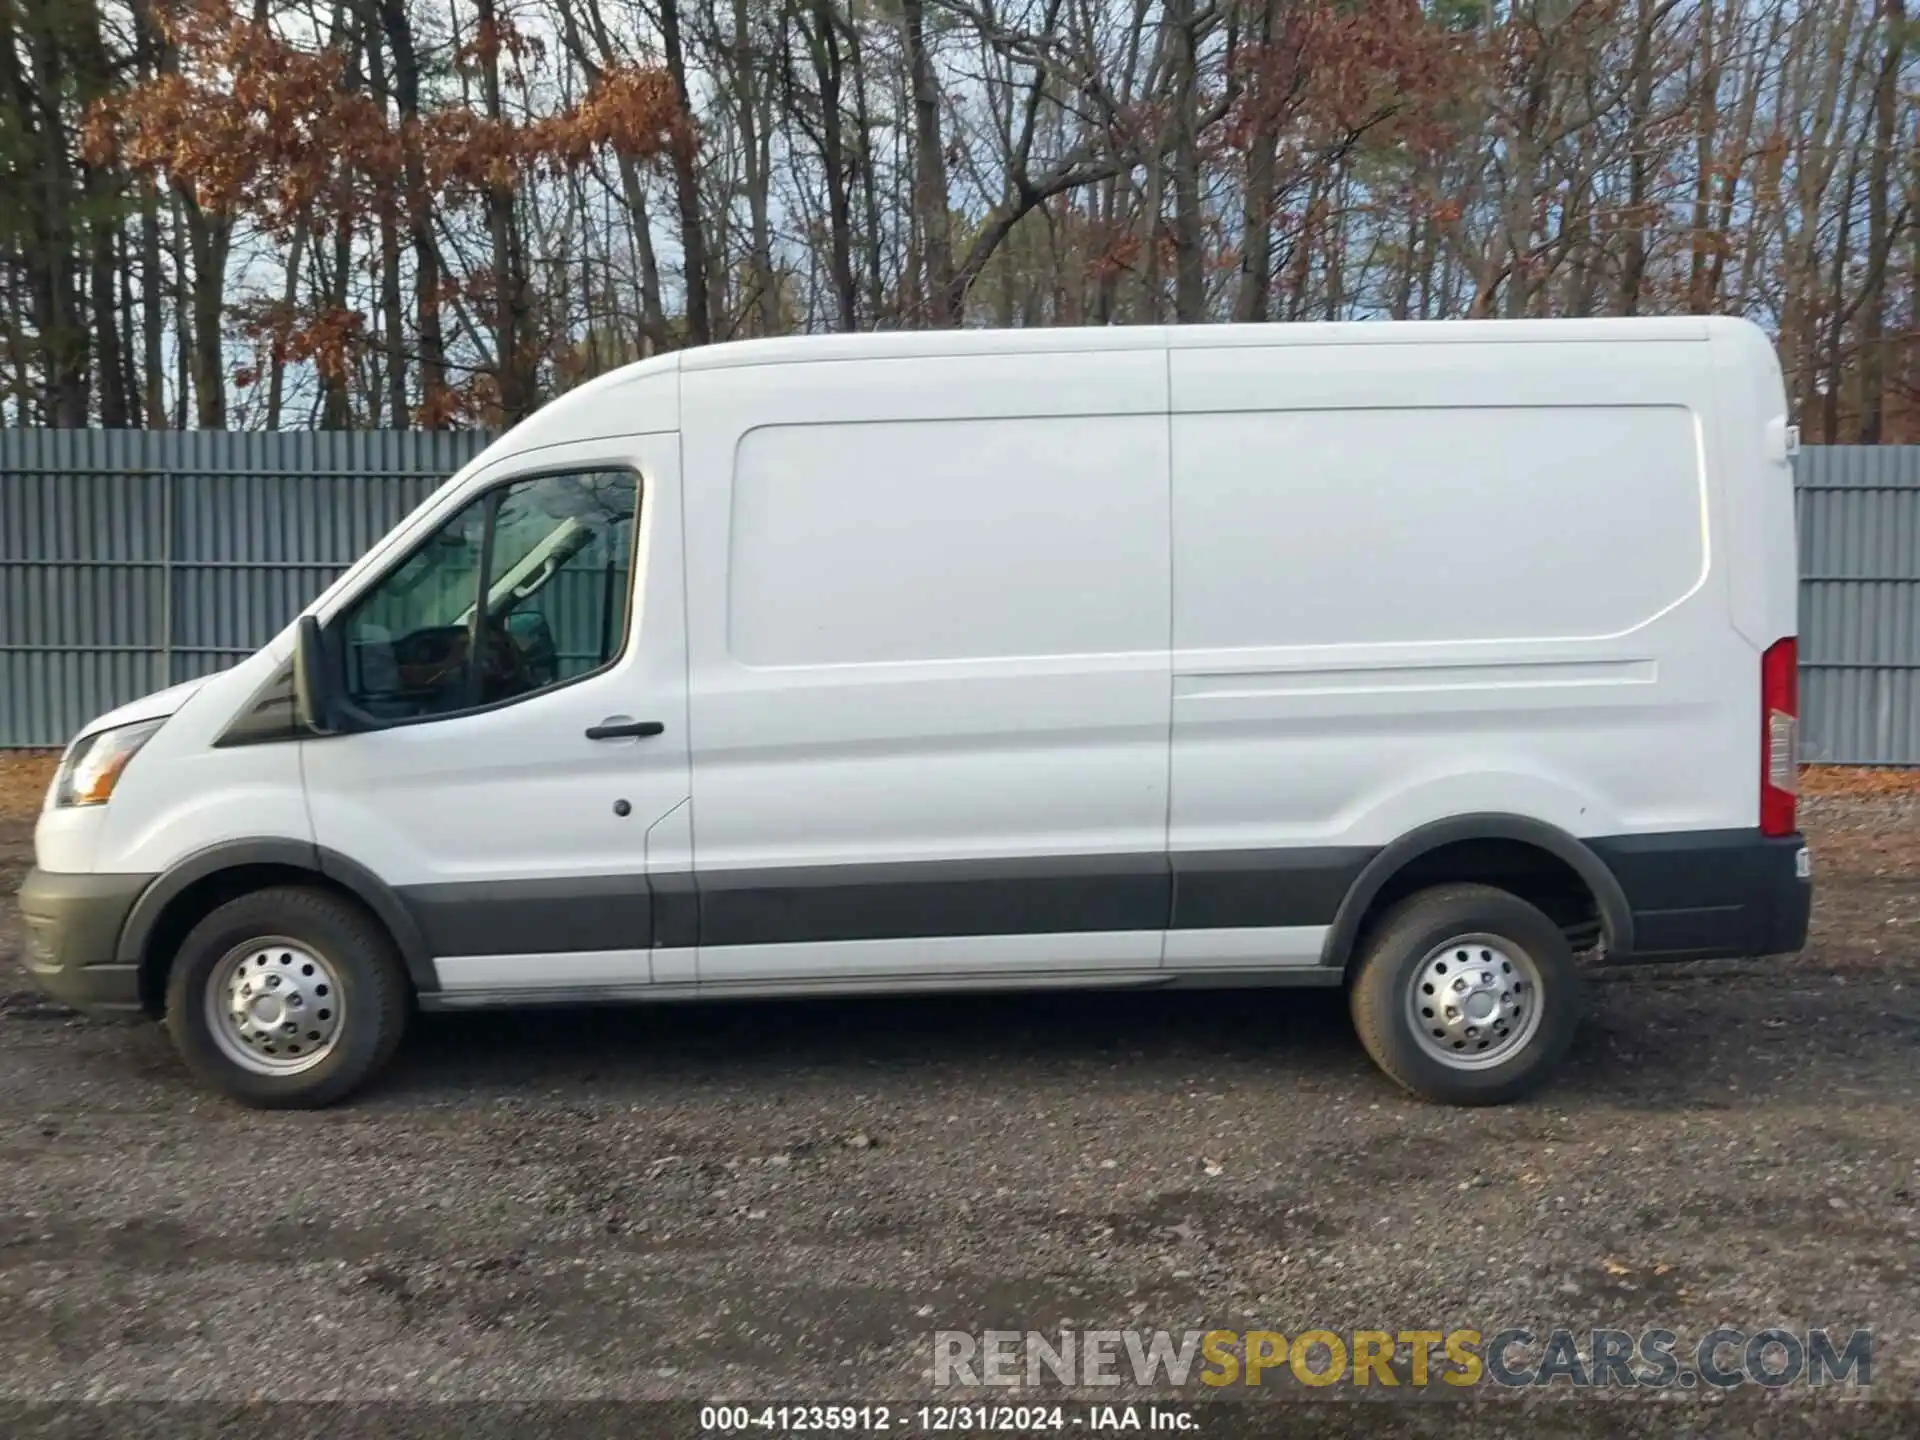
{"x": 73, "y": 925}
{"x": 1710, "y": 895}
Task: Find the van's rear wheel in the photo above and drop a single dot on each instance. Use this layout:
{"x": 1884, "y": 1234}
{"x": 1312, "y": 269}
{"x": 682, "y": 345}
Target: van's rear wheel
{"x": 286, "y": 998}
{"x": 1466, "y": 995}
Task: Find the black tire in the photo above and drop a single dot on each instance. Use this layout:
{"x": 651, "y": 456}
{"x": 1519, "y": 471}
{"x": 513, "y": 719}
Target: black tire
{"x": 372, "y": 994}
{"x": 1392, "y": 958}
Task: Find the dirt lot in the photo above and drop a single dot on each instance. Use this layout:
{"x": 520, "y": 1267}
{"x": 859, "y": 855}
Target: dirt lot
{"x": 785, "y": 1200}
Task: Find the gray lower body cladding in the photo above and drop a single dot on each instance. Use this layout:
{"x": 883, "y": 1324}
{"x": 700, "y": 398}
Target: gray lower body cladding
{"x": 1690, "y": 895}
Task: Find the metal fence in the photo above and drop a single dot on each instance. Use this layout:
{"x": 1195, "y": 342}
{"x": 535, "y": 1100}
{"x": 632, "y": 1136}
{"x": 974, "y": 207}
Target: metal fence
{"x": 132, "y": 559}
{"x": 1859, "y": 518}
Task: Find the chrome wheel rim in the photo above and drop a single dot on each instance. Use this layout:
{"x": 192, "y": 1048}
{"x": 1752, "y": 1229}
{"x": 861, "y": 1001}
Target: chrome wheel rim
{"x": 1474, "y": 1002}
{"x": 273, "y": 1006}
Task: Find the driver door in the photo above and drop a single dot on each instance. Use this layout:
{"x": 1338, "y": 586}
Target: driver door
{"x": 525, "y": 665}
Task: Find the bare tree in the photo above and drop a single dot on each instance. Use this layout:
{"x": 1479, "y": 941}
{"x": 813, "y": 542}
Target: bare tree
{"x": 434, "y": 212}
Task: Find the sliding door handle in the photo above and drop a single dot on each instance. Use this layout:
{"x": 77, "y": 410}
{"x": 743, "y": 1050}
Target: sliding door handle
{"x": 614, "y": 728}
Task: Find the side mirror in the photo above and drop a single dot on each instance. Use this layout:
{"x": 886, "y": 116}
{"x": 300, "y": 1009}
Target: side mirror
{"x": 312, "y": 704}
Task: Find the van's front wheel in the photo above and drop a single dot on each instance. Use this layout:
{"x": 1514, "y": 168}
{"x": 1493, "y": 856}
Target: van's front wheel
{"x": 286, "y": 998}
{"x": 1466, "y": 995}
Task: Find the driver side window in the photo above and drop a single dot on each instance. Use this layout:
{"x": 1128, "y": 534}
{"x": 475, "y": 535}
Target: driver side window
{"x": 527, "y": 587}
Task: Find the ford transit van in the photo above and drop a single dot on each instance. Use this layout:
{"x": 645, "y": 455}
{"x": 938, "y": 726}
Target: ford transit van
{"x": 1415, "y": 659}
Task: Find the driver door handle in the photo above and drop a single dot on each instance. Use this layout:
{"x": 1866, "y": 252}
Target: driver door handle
{"x": 611, "y": 729}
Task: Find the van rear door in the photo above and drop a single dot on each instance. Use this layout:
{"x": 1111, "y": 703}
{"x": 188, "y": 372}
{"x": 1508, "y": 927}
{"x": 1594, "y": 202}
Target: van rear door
{"x": 1421, "y": 579}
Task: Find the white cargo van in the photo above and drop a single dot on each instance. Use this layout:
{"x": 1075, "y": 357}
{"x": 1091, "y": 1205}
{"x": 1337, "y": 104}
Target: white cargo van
{"x": 1410, "y": 658}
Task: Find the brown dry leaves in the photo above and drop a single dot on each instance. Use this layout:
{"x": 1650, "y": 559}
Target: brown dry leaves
{"x": 24, "y": 777}
{"x": 251, "y": 123}
{"x": 1825, "y": 780}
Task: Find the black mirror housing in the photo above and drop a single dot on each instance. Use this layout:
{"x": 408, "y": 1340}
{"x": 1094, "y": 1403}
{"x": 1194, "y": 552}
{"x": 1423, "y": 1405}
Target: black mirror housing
{"x": 312, "y": 702}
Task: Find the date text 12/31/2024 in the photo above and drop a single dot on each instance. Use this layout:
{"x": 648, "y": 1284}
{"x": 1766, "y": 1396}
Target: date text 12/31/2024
{"x": 943, "y": 1419}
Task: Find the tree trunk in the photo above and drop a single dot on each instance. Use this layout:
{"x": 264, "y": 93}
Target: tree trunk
{"x": 1640, "y": 168}
{"x": 182, "y": 317}
{"x": 686, "y": 184}
{"x": 100, "y": 194}
{"x": 511, "y": 343}
{"x": 1189, "y": 274}
{"x": 931, "y": 212}
{"x": 755, "y": 159}
{"x": 210, "y": 237}
{"x": 1429, "y": 245}
{"x": 1518, "y": 226}
{"x": 393, "y": 338}
{"x": 276, "y": 354}
{"x": 1741, "y": 145}
{"x": 110, "y": 363}
{"x": 137, "y": 415}
{"x": 1403, "y": 281}
{"x": 1837, "y": 311}
{"x": 149, "y": 55}
{"x": 336, "y": 405}
{"x": 824, "y": 42}
{"x": 1334, "y": 253}
{"x": 1873, "y": 300}
{"x": 428, "y": 334}
{"x": 1706, "y": 147}
{"x": 1255, "y": 286}
{"x": 1106, "y": 280}
{"x": 1910, "y": 380}
{"x": 64, "y": 339}
{"x": 1300, "y": 260}
{"x": 1150, "y": 299}
{"x": 22, "y": 377}
{"x": 153, "y": 314}
{"x": 869, "y": 189}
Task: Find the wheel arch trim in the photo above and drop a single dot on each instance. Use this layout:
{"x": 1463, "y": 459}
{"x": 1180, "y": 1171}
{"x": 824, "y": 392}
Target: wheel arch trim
{"x": 136, "y": 936}
{"x": 1616, "y": 918}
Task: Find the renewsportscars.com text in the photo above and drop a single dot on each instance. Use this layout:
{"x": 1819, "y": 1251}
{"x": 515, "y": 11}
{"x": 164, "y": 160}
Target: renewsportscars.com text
{"x": 1515, "y": 1357}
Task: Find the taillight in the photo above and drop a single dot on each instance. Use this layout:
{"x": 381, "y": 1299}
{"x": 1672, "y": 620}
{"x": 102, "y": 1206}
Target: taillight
{"x": 1779, "y": 736}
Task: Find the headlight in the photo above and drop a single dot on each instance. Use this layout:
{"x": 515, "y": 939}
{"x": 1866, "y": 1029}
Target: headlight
{"x": 93, "y": 766}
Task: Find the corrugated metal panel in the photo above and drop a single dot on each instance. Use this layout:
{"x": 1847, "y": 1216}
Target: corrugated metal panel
{"x": 1859, "y": 512}
{"x": 130, "y": 559}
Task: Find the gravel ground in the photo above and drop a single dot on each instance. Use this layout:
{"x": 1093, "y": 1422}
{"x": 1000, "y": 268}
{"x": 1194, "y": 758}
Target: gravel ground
{"x": 785, "y": 1200}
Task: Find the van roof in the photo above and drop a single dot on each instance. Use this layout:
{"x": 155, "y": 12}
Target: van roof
{"x": 792, "y": 349}
{"x": 607, "y": 404}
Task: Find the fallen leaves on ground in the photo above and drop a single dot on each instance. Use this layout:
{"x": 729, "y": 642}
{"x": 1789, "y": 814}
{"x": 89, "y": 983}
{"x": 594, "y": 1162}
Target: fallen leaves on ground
{"x": 24, "y": 777}
{"x": 1826, "y": 780}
